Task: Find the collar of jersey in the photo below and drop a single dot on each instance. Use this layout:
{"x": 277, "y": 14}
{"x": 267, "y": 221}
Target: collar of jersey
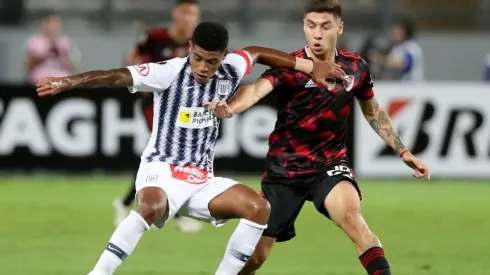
{"x": 308, "y": 53}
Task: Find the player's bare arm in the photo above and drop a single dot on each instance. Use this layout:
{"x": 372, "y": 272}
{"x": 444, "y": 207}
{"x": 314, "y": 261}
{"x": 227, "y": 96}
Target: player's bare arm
{"x": 246, "y": 97}
{"x": 319, "y": 71}
{"x": 249, "y": 95}
{"x": 381, "y": 123}
{"x": 111, "y": 78}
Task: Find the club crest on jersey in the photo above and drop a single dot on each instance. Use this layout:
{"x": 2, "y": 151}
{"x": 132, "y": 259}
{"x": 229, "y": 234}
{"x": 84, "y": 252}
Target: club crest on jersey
{"x": 224, "y": 87}
{"x": 143, "y": 69}
{"x": 194, "y": 118}
{"x": 349, "y": 82}
{"x": 331, "y": 82}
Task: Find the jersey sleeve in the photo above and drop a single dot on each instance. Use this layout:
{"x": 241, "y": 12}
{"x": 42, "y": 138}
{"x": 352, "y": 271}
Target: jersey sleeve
{"x": 275, "y": 76}
{"x": 241, "y": 61}
{"x": 154, "y": 77}
{"x": 365, "y": 90}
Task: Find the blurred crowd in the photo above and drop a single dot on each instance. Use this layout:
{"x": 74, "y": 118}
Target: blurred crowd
{"x": 395, "y": 55}
{"x": 50, "y": 52}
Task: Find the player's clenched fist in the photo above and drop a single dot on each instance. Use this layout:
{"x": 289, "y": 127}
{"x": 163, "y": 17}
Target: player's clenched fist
{"x": 219, "y": 108}
{"x": 52, "y": 85}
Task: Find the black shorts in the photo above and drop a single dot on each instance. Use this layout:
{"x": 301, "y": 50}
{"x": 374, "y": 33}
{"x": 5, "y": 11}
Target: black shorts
{"x": 288, "y": 196}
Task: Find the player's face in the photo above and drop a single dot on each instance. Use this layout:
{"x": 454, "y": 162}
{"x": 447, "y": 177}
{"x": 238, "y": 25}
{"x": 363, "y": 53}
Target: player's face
{"x": 397, "y": 34}
{"x": 186, "y": 16}
{"x": 322, "y": 31}
{"x": 204, "y": 63}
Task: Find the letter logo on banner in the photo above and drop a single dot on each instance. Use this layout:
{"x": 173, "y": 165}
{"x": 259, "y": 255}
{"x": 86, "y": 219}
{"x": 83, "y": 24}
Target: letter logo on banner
{"x": 447, "y": 129}
{"x": 248, "y": 131}
{"x": 114, "y": 127}
{"x": 22, "y": 126}
{"x": 71, "y": 127}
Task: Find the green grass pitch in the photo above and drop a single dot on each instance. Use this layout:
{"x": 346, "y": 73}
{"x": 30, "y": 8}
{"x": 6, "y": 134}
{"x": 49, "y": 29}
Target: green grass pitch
{"x": 59, "y": 226}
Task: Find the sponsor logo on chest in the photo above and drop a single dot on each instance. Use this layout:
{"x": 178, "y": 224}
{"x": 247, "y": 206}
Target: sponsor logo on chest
{"x": 194, "y": 118}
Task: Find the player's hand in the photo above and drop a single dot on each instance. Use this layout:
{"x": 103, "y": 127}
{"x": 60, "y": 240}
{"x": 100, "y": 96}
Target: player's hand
{"x": 322, "y": 71}
{"x": 219, "y": 108}
{"x": 420, "y": 170}
{"x": 50, "y": 86}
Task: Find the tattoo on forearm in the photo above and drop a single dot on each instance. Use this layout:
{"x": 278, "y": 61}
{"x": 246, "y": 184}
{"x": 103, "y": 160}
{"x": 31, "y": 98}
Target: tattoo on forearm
{"x": 382, "y": 123}
{"x": 399, "y": 146}
{"x": 375, "y": 124}
{"x": 384, "y": 118}
{"x": 117, "y": 78}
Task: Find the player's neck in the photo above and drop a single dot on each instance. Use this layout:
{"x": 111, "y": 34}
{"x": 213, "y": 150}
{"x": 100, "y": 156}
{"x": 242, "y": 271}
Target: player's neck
{"x": 179, "y": 35}
{"x": 328, "y": 56}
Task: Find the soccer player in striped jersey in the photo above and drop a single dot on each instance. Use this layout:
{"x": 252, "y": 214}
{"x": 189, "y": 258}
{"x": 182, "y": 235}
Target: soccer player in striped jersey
{"x": 176, "y": 170}
{"x": 161, "y": 45}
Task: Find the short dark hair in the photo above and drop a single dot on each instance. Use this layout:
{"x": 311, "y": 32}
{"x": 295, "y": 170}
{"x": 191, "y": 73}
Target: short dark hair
{"x": 407, "y": 26}
{"x": 330, "y": 6}
{"x": 180, "y": 2}
{"x": 211, "y": 36}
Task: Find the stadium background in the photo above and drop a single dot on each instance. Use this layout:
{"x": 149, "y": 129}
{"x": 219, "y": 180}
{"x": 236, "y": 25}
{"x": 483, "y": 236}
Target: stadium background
{"x": 64, "y": 159}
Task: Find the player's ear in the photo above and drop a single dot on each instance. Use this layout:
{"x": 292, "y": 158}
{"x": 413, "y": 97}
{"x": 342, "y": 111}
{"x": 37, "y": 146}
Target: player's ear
{"x": 190, "y": 45}
{"x": 341, "y": 28}
{"x": 225, "y": 53}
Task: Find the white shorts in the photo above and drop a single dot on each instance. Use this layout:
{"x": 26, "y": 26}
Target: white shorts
{"x": 189, "y": 190}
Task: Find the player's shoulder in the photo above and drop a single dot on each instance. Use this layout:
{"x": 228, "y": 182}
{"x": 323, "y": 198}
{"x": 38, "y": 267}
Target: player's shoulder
{"x": 300, "y": 53}
{"x": 414, "y": 47}
{"x": 352, "y": 57}
{"x": 176, "y": 63}
{"x": 343, "y": 54}
{"x": 238, "y": 59}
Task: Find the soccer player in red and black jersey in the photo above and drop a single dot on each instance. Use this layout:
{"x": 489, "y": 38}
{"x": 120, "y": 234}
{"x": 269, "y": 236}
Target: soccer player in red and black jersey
{"x": 160, "y": 45}
{"x": 307, "y": 158}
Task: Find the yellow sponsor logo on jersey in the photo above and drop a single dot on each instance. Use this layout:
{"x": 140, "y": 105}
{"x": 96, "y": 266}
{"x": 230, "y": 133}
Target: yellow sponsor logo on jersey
{"x": 184, "y": 117}
{"x": 194, "y": 118}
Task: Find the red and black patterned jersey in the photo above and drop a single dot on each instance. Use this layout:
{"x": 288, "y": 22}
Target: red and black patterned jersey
{"x": 311, "y": 128}
{"x": 159, "y": 46}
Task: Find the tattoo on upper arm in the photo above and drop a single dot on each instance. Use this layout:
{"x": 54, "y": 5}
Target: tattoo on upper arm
{"x": 369, "y": 107}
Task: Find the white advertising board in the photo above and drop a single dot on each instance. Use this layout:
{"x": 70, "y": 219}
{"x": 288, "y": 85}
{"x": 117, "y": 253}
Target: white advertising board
{"x": 447, "y": 125}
